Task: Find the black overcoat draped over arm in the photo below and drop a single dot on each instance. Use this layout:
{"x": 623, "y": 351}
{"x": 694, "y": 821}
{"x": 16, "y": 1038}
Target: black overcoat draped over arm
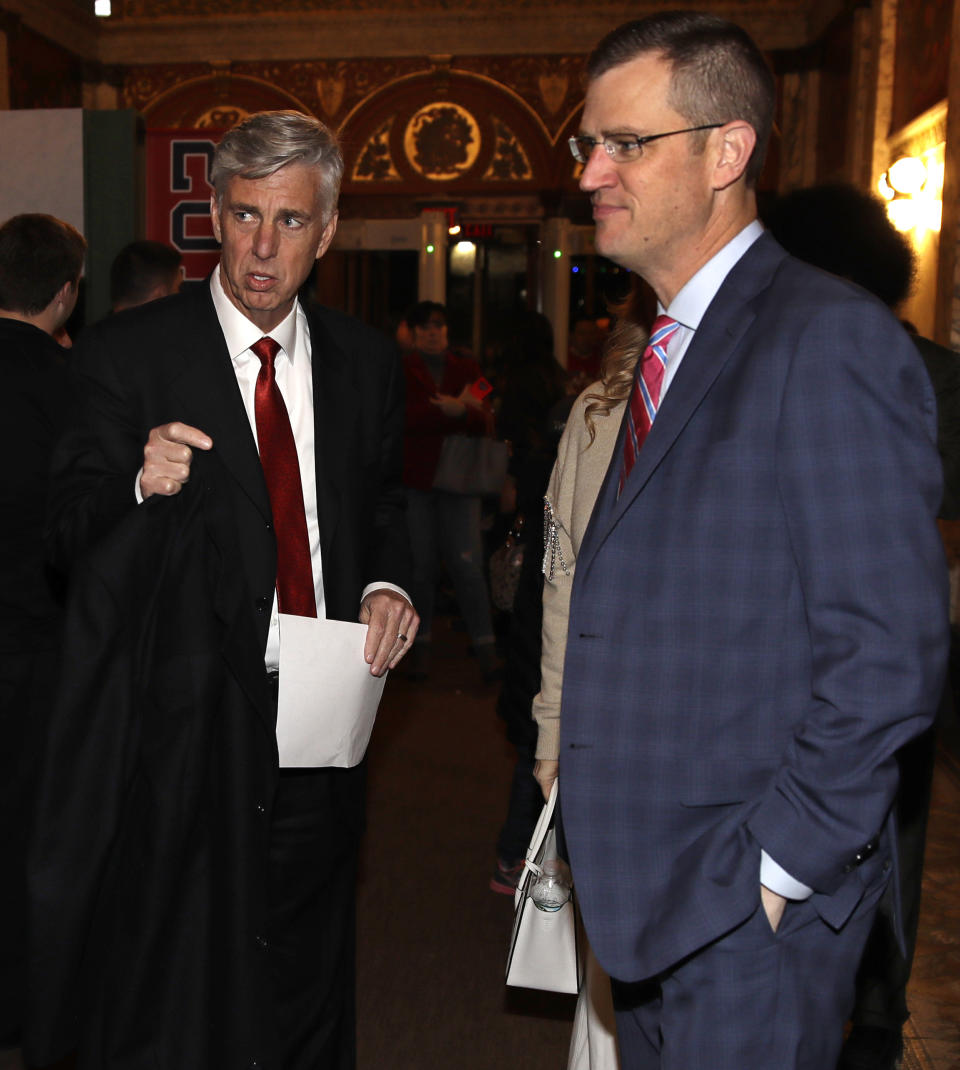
{"x": 146, "y": 871}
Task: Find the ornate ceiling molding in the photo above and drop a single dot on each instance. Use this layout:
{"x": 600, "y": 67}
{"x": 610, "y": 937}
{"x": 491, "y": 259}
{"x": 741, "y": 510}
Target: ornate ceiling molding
{"x": 524, "y": 28}
{"x": 190, "y": 31}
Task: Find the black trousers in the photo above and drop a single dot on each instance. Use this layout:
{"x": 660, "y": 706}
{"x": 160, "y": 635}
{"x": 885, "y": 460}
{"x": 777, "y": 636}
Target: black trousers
{"x": 310, "y": 940}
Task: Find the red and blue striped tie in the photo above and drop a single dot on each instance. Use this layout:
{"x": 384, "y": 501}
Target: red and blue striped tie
{"x": 645, "y": 399}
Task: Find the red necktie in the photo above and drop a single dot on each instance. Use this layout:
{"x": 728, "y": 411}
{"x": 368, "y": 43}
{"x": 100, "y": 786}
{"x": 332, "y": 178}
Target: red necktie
{"x": 278, "y": 456}
{"x": 645, "y": 399}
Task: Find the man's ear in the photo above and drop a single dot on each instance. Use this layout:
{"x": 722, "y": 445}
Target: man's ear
{"x": 737, "y": 140}
{"x": 63, "y": 303}
{"x": 67, "y": 293}
{"x": 327, "y": 236}
{"x": 215, "y": 217}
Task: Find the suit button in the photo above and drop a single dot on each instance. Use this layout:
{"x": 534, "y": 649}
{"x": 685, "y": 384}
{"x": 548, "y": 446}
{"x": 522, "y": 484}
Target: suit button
{"x": 269, "y": 526}
{"x": 262, "y": 604}
{"x": 865, "y": 852}
{"x": 261, "y": 942}
{"x": 261, "y": 809}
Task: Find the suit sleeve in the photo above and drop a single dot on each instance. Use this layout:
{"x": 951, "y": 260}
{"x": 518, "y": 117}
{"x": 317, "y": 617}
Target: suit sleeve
{"x": 389, "y": 558}
{"x": 860, "y": 518}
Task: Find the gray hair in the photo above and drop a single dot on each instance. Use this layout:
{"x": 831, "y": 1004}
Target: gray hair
{"x": 267, "y": 141}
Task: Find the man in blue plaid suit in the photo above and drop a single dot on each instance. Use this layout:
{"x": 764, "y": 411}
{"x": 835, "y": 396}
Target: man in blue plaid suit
{"x": 759, "y": 613}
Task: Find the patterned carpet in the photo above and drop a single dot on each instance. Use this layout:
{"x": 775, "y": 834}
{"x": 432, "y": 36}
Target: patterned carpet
{"x": 914, "y": 1054}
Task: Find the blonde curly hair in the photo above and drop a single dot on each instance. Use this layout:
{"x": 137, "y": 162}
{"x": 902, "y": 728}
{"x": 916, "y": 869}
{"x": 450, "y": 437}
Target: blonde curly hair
{"x": 623, "y": 348}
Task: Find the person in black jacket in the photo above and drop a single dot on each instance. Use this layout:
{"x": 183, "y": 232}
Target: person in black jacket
{"x": 41, "y": 259}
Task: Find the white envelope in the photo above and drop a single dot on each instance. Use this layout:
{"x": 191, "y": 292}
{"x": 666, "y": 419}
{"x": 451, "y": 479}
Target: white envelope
{"x": 328, "y": 700}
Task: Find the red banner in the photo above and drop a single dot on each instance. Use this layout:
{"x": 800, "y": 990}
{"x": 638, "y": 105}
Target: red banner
{"x": 178, "y": 196}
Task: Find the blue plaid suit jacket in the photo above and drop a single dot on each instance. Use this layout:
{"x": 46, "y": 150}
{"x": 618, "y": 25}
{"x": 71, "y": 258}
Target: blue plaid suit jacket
{"x": 757, "y": 624}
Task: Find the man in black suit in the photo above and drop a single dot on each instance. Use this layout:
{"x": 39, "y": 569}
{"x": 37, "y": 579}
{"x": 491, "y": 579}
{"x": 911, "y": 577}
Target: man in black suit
{"x": 41, "y": 259}
{"x": 176, "y": 399}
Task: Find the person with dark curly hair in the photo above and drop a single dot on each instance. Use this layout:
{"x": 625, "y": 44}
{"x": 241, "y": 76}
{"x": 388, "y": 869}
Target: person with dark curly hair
{"x": 41, "y": 259}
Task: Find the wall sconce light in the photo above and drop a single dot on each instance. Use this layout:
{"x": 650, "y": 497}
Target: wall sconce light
{"x": 463, "y": 258}
{"x": 887, "y": 192}
{"x": 911, "y": 202}
{"x": 908, "y": 175}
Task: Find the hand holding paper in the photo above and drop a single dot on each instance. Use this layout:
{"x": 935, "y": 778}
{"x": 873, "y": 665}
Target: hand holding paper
{"x": 391, "y": 627}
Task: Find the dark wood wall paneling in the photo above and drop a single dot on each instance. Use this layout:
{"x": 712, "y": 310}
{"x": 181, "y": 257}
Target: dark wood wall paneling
{"x": 42, "y": 74}
{"x": 922, "y": 62}
{"x": 833, "y": 134}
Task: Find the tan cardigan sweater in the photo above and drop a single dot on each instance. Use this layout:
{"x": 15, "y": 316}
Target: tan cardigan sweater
{"x": 571, "y": 494}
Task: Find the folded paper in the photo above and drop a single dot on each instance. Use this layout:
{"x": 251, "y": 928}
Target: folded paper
{"x": 328, "y": 700}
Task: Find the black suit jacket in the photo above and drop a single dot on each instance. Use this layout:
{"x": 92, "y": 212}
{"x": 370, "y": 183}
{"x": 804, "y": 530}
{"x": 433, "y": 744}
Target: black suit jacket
{"x": 168, "y": 361}
{"x": 148, "y": 868}
{"x": 34, "y": 405}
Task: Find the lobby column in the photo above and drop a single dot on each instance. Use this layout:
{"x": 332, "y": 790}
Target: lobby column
{"x": 555, "y": 282}
{"x": 432, "y": 281}
{"x": 101, "y": 87}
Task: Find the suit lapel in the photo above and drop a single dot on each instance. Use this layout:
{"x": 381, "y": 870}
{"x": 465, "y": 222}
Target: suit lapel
{"x": 207, "y": 386}
{"x": 724, "y": 324}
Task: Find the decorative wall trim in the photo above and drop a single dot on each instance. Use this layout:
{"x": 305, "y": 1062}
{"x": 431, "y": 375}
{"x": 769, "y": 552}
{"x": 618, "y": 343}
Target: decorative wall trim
{"x": 924, "y": 132}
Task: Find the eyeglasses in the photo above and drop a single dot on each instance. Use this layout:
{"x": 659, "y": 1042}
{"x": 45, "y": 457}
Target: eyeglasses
{"x": 621, "y": 148}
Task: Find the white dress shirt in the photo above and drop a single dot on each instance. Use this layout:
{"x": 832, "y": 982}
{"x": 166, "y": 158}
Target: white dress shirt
{"x": 294, "y": 371}
{"x": 694, "y": 297}
{"x": 688, "y": 309}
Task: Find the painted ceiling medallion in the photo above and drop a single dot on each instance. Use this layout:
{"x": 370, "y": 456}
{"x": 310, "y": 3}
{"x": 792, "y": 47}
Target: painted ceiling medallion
{"x": 442, "y": 141}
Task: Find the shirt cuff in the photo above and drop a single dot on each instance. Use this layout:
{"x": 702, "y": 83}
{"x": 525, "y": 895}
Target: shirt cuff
{"x": 136, "y": 487}
{"x": 777, "y": 879}
{"x": 382, "y": 586}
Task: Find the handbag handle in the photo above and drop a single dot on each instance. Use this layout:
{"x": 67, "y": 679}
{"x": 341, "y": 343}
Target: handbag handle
{"x": 542, "y": 827}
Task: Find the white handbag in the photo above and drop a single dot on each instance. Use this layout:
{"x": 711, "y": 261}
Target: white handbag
{"x": 545, "y": 945}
